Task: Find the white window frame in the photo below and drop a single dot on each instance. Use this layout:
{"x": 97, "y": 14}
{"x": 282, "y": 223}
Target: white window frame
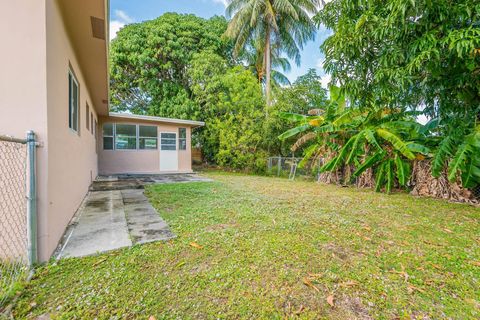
{"x": 182, "y": 139}
{"x": 115, "y": 137}
{"x": 71, "y": 76}
{"x": 137, "y": 137}
{"x": 172, "y": 139}
{"x": 142, "y": 137}
{"x": 112, "y": 136}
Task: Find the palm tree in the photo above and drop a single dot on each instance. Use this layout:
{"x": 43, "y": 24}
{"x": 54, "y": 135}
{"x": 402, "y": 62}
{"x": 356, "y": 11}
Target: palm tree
{"x": 287, "y": 23}
{"x": 253, "y": 56}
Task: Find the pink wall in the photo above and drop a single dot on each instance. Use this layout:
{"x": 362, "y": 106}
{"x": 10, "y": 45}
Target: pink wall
{"x": 23, "y": 88}
{"x": 140, "y": 161}
{"x": 72, "y": 161}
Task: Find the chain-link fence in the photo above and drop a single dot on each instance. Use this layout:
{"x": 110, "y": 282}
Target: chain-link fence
{"x": 289, "y": 167}
{"x": 15, "y": 213}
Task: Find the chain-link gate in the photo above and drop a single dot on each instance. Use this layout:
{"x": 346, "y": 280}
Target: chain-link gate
{"x": 17, "y": 213}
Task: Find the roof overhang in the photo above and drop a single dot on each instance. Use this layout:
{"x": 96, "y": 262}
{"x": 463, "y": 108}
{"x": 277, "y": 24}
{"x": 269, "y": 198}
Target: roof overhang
{"x": 87, "y": 25}
{"x": 190, "y": 123}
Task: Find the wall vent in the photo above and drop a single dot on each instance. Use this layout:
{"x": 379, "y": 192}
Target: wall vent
{"x": 98, "y": 28}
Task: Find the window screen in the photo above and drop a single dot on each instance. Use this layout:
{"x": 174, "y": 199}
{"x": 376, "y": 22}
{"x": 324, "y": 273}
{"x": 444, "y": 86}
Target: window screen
{"x": 147, "y": 137}
{"x": 108, "y": 136}
{"x": 87, "y": 116}
{"x": 168, "y": 141}
{"x": 72, "y": 102}
{"x": 182, "y": 138}
{"x": 125, "y": 136}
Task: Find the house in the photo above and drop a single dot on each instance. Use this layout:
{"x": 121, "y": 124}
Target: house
{"x": 54, "y": 81}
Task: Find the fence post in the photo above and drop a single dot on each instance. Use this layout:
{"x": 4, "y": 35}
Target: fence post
{"x": 32, "y": 199}
{"x": 279, "y": 166}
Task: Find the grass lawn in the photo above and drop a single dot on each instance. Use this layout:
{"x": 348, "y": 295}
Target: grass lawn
{"x": 258, "y": 247}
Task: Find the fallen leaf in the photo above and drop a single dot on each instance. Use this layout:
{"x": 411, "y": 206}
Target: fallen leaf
{"x": 98, "y": 262}
{"x": 349, "y": 283}
{"x": 330, "y": 301}
{"x": 196, "y": 245}
{"x": 475, "y": 263}
{"x": 308, "y": 283}
{"x": 412, "y": 288}
{"x": 447, "y": 230}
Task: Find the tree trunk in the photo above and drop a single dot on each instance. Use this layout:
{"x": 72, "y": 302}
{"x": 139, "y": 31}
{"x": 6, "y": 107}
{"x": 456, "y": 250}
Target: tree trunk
{"x": 268, "y": 68}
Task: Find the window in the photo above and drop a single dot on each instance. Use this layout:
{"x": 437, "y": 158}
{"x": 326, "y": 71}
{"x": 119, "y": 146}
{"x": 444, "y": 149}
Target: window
{"x": 125, "y": 136}
{"x": 91, "y": 121}
{"x": 182, "y": 138}
{"x": 168, "y": 141}
{"x": 72, "y": 102}
{"x": 108, "y": 136}
{"x": 87, "y": 115}
{"x": 147, "y": 137}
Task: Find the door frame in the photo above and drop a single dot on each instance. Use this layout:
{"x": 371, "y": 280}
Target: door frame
{"x": 168, "y": 151}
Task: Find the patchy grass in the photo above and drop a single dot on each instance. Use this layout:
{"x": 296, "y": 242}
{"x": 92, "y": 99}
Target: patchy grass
{"x": 258, "y": 247}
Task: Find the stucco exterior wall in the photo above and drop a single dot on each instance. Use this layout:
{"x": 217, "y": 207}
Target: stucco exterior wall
{"x": 72, "y": 163}
{"x": 140, "y": 161}
{"x": 23, "y": 88}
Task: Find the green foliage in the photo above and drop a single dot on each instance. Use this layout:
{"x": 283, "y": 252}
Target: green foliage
{"x": 406, "y": 53}
{"x": 281, "y": 26}
{"x": 290, "y": 103}
{"x": 149, "y": 63}
{"x": 380, "y": 139}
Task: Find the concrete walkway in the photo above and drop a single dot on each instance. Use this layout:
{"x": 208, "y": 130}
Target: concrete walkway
{"x": 113, "y": 219}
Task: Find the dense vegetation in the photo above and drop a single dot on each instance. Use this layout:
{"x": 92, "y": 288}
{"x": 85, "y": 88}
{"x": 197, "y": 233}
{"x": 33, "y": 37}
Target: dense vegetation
{"x": 396, "y": 62}
{"x": 391, "y": 62}
{"x": 183, "y": 66}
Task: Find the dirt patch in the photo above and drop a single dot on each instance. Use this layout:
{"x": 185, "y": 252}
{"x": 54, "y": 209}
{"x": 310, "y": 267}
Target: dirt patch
{"x": 354, "y": 308}
{"x": 338, "y": 251}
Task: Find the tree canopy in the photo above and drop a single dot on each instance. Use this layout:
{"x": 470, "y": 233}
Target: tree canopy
{"x": 150, "y": 60}
{"x": 419, "y": 54}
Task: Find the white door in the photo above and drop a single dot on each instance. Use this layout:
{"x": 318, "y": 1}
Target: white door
{"x": 168, "y": 151}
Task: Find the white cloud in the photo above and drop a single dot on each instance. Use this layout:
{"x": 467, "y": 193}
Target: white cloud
{"x": 224, "y": 2}
{"x": 121, "y": 19}
{"x": 123, "y": 16}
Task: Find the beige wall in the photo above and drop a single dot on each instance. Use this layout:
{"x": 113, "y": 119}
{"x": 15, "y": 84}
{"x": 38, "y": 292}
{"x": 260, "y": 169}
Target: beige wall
{"x": 35, "y": 59}
{"x": 72, "y": 156}
{"x": 23, "y": 89}
{"x": 140, "y": 161}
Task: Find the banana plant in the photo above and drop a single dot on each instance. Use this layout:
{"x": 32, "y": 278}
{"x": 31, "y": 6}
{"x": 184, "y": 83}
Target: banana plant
{"x": 458, "y": 151}
{"x": 382, "y": 139}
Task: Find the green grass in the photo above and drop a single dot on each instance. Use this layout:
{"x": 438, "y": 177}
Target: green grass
{"x": 274, "y": 249}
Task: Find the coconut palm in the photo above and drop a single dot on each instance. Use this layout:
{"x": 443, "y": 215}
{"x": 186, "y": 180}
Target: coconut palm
{"x": 253, "y": 56}
{"x": 287, "y": 23}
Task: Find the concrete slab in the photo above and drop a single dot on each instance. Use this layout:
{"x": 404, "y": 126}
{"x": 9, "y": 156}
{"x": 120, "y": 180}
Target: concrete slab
{"x": 109, "y": 220}
{"x": 99, "y": 226}
{"x": 138, "y": 181}
{"x": 143, "y": 221}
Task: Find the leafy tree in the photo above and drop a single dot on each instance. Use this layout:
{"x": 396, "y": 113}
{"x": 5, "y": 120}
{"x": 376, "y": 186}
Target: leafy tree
{"x": 284, "y": 24}
{"x": 415, "y": 54}
{"x": 150, "y": 60}
{"x": 232, "y": 106}
{"x": 304, "y": 94}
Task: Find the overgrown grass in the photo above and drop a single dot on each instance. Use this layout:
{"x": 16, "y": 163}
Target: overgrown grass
{"x": 259, "y": 247}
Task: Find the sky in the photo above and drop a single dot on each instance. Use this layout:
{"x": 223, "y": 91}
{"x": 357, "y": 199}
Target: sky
{"x": 123, "y": 12}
